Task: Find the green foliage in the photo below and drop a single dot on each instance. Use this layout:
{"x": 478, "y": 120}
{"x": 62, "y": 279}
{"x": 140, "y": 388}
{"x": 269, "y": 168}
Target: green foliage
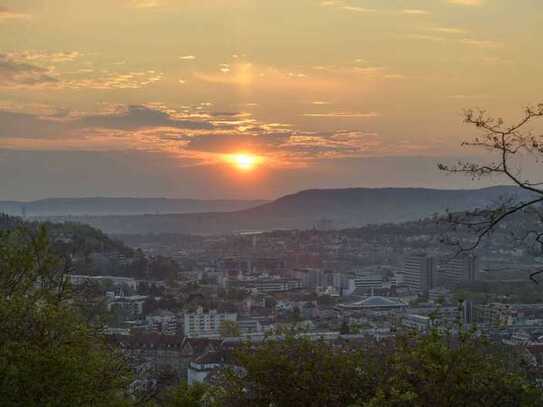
{"x": 48, "y": 355}
{"x": 445, "y": 370}
{"x": 297, "y": 372}
{"x": 229, "y": 329}
{"x": 185, "y": 395}
{"x": 411, "y": 371}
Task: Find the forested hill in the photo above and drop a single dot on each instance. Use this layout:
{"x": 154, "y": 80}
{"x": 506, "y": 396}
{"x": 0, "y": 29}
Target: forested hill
{"x": 92, "y": 252}
{"x": 76, "y": 238}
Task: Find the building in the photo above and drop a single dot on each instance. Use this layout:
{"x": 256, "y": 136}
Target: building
{"x": 495, "y": 314}
{"x": 270, "y": 285}
{"x": 162, "y": 321}
{"x": 78, "y": 279}
{"x": 458, "y": 269}
{"x": 132, "y": 305}
{"x": 365, "y": 282}
{"x": 376, "y": 303}
{"x": 204, "y": 324}
{"x": 419, "y": 273}
{"x": 421, "y": 323}
{"x": 249, "y": 326}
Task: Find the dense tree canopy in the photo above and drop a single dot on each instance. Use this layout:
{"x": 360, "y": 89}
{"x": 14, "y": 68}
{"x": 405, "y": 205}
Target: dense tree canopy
{"x": 419, "y": 371}
{"x": 49, "y": 356}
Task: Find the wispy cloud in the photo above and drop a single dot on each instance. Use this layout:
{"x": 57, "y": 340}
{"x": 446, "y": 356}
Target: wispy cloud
{"x": 464, "y": 41}
{"x": 481, "y": 43}
{"x": 27, "y": 69}
{"x": 352, "y": 7}
{"x": 344, "y": 115}
{"x": 446, "y": 30}
{"x": 415, "y": 12}
{"x": 8, "y": 14}
{"x": 14, "y": 73}
{"x": 44, "y": 56}
{"x": 194, "y": 131}
{"x": 143, "y": 4}
{"x": 466, "y": 2}
{"x": 187, "y": 57}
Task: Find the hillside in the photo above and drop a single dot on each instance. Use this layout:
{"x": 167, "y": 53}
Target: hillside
{"x": 120, "y": 206}
{"x": 334, "y": 208}
{"x": 92, "y": 252}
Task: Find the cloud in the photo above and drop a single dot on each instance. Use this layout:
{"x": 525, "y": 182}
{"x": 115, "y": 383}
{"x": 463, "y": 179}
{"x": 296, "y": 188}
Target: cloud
{"x": 415, "y": 12}
{"x": 358, "y": 9}
{"x": 466, "y": 2}
{"x": 15, "y": 74}
{"x": 446, "y": 30}
{"x": 27, "y": 69}
{"x": 338, "y": 144}
{"x": 7, "y": 14}
{"x": 203, "y": 136}
{"x": 344, "y": 115}
{"x": 44, "y": 56}
{"x": 187, "y": 58}
{"x": 481, "y": 43}
{"x": 349, "y": 6}
{"x": 138, "y": 117}
{"x": 145, "y": 3}
{"x": 488, "y": 44}
{"x": 104, "y": 80}
{"x": 25, "y": 125}
{"x": 120, "y": 122}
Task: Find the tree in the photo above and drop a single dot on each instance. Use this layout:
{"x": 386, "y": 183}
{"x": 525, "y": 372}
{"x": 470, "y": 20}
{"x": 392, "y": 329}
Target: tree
{"x": 49, "y": 356}
{"x": 185, "y": 395}
{"x": 437, "y": 370}
{"x": 510, "y": 145}
{"x": 229, "y": 329}
{"x": 296, "y": 372}
{"x": 446, "y": 370}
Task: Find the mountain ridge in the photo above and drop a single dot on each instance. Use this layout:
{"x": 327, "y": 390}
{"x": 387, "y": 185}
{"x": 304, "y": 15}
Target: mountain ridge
{"x": 322, "y": 208}
{"x": 103, "y": 206}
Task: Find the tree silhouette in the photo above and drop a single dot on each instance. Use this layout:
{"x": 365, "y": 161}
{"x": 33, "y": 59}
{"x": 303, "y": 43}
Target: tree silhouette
{"x": 509, "y": 146}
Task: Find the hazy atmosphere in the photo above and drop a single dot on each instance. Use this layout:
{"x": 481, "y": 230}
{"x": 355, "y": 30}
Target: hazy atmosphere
{"x": 252, "y": 99}
{"x": 271, "y": 203}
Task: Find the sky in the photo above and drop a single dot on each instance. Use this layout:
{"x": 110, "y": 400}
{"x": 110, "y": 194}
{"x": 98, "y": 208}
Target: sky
{"x": 158, "y": 97}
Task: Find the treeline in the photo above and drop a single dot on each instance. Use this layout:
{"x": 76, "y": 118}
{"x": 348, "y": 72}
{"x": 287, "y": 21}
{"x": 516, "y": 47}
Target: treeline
{"x": 92, "y": 252}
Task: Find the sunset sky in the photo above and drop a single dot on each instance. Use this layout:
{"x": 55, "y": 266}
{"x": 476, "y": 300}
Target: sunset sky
{"x": 156, "y": 97}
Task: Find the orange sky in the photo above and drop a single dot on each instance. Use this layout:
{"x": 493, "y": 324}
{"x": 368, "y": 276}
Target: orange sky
{"x": 325, "y": 93}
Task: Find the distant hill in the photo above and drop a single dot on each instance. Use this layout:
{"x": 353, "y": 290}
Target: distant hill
{"x": 120, "y": 206}
{"x": 92, "y": 252}
{"x": 333, "y": 208}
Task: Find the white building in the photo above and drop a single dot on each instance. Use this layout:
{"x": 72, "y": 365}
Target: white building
{"x": 132, "y": 305}
{"x": 202, "y": 323}
{"x": 365, "y": 282}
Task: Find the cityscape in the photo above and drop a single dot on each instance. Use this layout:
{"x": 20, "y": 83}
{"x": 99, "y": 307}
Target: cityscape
{"x": 210, "y": 203}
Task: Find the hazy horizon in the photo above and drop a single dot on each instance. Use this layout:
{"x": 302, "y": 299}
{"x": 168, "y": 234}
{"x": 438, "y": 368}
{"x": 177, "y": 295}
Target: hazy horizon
{"x": 211, "y": 99}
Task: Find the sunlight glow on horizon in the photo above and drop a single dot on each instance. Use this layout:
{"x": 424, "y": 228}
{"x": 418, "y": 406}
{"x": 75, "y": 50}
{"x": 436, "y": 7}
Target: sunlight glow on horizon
{"x": 244, "y": 161}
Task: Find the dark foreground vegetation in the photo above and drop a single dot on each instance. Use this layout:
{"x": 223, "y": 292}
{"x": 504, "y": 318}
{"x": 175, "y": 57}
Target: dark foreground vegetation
{"x": 50, "y": 355}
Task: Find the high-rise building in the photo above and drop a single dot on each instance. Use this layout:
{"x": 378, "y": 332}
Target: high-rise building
{"x": 202, "y": 323}
{"x": 419, "y": 273}
{"x": 458, "y": 269}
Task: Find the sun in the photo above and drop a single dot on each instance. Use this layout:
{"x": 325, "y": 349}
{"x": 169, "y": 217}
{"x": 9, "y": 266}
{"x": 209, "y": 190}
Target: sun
{"x": 244, "y": 161}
